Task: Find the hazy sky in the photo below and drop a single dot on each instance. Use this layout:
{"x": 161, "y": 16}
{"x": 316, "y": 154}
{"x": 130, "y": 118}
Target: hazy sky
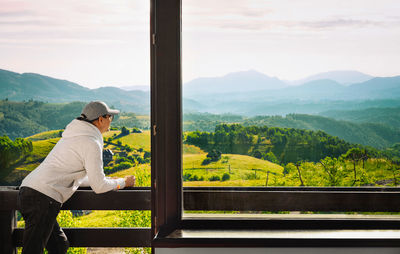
{"x": 106, "y": 42}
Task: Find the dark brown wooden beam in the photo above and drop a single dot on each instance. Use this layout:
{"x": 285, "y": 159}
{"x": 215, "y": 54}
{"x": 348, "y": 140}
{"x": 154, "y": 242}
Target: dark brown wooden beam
{"x": 8, "y": 223}
{"x": 115, "y": 200}
{"x": 326, "y": 201}
{"x": 101, "y": 237}
{"x": 236, "y": 199}
{"x": 86, "y": 199}
{"x": 166, "y": 117}
{"x": 291, "y": 223}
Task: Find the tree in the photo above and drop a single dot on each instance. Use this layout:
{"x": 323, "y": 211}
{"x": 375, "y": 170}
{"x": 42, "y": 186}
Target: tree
{"x": 147, "y": 155}
{"x": 124, "y": 131}
{"x": 11, "y": 151}
{"x": 214, "y": 155}
{"x": 354, "y": 155}
{"x": 394, "y": 166}
{"x": 270, "y": 156}
{"x": 299, "y": 172}
{"x": 5, "y": 152}
{"x": 225, "y": 177}
{"x": 331, "y": 167}
{"x": 257, "y": 154}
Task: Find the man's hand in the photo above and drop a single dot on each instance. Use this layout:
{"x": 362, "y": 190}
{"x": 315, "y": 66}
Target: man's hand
{"x": 130, "y": 181}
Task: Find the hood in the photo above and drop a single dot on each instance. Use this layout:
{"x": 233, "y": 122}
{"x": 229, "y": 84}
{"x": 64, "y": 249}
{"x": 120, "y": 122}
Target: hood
{"x": 81, "y": 128}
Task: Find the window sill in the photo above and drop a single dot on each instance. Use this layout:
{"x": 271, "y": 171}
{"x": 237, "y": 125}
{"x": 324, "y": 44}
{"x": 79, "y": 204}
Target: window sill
{"x": 279, "y": 238}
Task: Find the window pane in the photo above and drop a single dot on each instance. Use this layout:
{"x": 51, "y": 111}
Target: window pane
{"x": 284, "y": 93}
{"x": 55, "y": 57}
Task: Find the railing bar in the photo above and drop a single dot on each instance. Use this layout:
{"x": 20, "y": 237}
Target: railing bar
{"x": 100, "y": 237}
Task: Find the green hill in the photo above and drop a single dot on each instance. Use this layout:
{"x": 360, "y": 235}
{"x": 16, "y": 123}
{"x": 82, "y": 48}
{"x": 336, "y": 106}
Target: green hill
{"x": 387, "y": 116}
{"x": 376, "y": 134}
{"x": 46, "y": 135}
{"x": 23, "y": 119}
{"x": 41, "y": 149}
{"x": 243, "y": 170}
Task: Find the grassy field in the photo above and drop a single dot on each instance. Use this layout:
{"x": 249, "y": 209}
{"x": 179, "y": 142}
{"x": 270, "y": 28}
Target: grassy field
{"x": 137, "y": 140}
{"x": 243, "y": 170}
{"x": 45, "y": 135}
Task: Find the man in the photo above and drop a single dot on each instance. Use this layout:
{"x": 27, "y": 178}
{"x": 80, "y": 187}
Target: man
{"x": 76, "y": 160}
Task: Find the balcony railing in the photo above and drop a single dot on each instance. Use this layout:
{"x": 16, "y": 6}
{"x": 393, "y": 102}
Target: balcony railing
{"x": 213, "y": 198}
{"x": 84, "y": 199}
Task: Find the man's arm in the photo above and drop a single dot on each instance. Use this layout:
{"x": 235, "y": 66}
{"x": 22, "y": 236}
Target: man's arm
{"x": 130, "y": 181}
{"x": 93, "y": 163}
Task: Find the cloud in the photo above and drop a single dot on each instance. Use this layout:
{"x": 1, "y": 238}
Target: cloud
{"x": 265, "y": 24}
{"x": 13, "y": 13}
{"x": 336, "y": 23}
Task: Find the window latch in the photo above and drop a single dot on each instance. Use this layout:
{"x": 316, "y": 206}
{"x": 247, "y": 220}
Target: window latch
{"x": 154, "y": 130}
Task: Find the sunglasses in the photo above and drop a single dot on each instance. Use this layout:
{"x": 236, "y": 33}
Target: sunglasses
{"x": 110, "y": 116}
{"x": 105, "y": 116}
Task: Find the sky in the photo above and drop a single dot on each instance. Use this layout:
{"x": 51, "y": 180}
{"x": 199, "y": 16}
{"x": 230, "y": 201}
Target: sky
{"x": 106, "y": 42}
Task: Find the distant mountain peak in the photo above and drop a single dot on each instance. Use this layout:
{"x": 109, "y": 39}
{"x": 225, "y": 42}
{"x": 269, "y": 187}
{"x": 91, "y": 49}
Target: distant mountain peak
{"x": 344, "y": 77}
{"x": 241, "y": 81}
{"x": 251, "y": 72}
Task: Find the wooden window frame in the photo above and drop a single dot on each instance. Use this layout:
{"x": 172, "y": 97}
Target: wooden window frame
{"x": 166, "y": 172}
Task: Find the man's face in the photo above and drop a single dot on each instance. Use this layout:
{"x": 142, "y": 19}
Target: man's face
{"x": 104, "y": 123}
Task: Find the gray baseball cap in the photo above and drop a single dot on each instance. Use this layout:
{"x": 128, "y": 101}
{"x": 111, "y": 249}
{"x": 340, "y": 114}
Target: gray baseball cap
{"x": 95, "y": 109}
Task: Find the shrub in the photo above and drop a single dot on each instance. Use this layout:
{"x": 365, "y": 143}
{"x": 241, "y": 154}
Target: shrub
{"x": 214, "y": 155}
{"x": 271, "y": 157}
{"x": 123, "y": 165}
{"x": 190, "y": 177}
{"x": 124, "y": 131}
{"x": 147, "y": 155}
{"x": 251, "y": 176}
{"x": 186, "y": 177}
{"x": 225, "y": 177}
{"x": 206, "y": 161}
{"x": 136, "y": 130}
{"x": 140, "y": 160}
{"x": 214, "y": 178}
{"x": 257, "y": 154}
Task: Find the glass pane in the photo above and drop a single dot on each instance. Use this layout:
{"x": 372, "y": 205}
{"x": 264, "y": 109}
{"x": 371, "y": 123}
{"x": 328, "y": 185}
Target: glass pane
{"x": 56, "y": 56}
{"x": 291, "y": 93}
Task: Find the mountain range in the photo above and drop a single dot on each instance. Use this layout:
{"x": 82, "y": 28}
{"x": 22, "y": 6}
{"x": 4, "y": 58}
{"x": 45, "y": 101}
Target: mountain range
{"x": 246, "y": 93}
{"x": 32, "y": 86}
{"x": 267, "y": 95}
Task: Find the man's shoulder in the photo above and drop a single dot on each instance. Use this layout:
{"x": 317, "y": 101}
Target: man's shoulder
{"x": 84, "y": 141}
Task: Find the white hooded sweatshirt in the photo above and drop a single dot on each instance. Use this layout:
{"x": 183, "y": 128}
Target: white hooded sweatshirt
{"x": 76, "y": 160}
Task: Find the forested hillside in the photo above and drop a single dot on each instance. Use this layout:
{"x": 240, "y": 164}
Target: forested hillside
{"x": 281, "y": 145}
{"x": 389, "y": 116}
{"x": 369, "y": 134}
{"x": 23, "y": 119}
